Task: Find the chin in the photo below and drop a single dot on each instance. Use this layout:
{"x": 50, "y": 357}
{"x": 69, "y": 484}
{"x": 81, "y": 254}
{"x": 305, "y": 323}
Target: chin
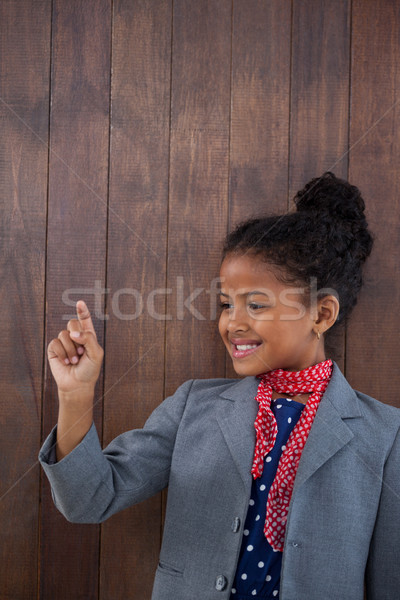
{"x": 245, "y": 371}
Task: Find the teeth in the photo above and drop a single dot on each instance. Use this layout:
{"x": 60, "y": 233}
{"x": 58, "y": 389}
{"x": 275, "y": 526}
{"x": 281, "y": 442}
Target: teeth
{"x": 246, "y": 346}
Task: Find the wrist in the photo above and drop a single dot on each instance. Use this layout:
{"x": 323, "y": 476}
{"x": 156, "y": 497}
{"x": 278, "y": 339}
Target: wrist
{"x": 75, "y": 417}
{"x": 80, "y": 397}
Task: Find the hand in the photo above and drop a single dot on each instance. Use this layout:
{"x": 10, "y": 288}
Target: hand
{"x": 75, "y": 356}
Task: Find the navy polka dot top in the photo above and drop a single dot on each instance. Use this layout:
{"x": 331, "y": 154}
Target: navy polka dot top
{"x": 259, "y": 568}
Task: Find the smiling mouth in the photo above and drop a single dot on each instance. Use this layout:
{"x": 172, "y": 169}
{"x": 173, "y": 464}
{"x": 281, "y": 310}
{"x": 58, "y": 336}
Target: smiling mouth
{"x": 243, "y": 350}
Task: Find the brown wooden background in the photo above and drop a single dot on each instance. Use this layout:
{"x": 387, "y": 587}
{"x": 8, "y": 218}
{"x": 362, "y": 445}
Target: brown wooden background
{"x": 133, "y": 134}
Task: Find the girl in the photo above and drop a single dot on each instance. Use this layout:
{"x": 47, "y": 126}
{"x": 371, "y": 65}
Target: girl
{"x": 283, "y": 484}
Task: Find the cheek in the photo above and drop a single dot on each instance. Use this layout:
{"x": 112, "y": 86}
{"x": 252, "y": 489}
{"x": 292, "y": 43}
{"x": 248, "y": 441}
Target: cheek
{"x": 272, "y": 330}
{"x": 295, "y": 332}
{"x": 222, "y": 325}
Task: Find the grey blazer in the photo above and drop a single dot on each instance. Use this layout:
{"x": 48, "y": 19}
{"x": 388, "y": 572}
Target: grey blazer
{"x": 343, "y": 525}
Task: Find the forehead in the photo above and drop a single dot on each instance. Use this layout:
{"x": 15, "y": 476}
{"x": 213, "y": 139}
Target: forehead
{"x": 245, "y": 273}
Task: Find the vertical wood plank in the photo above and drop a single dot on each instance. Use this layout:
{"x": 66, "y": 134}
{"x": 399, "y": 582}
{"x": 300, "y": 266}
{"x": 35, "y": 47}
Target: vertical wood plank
{"x": 139, "y": 215}
{"x": 77, "y": 223}
{"x": 260, "y": 103}
{"x": 24, "y": 104}
{"x": 260, "y": 108}
{"x": 372, "y": 342}
{"x": 198, "y": 185}
{"x": 136, "y": 271}
{"x": 320, "y": 102}
{"x": 320, "y": 90}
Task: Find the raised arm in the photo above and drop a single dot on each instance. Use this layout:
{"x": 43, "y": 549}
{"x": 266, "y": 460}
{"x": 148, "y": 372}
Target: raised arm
{"x": 75, "y": 359}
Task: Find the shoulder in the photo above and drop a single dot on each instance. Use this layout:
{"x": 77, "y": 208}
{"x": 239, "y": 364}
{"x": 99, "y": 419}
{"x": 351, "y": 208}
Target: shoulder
{"x": 374, "y": 423}
{"x": 214, "y": 392}
{"x": 378, "y": 410}
{"x": 201, "y": 391}
{"x": 351, "y": 402}
{"x": 382, "y": 423}
{"x": 202, "y": 399}
{"x": 228, "y": 389}
{"x": 380, "y": 430}
{"x": 217, "y": 385}
{"x": 209, "y": 389}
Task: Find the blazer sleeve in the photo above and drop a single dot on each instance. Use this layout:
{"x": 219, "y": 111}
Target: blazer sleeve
{"x": 89, "y": 485}
{"x": 383, "y": 570}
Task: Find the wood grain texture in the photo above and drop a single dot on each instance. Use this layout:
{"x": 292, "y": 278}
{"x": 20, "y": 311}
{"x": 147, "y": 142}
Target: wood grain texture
{"x": 259, "y": 142}
{"x": 320, "y": 104}
{"x": 319, "y": 90}
{"x": 134, "y": 374}
{"x": 198, "y": 186}
{"x": 190, "y": 116}
{"x": 77, "y": 223}
{"x": 372, "y": 343}
{"x": 260, "y": 108}
{"x": 24, "y": 102}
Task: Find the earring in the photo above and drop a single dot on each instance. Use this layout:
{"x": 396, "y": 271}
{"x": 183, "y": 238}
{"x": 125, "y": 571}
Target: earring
{"x": 318, "y": 335}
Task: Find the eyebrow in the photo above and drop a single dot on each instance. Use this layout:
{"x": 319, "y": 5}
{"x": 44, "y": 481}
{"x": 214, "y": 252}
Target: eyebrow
{"x": 255, "y": 292}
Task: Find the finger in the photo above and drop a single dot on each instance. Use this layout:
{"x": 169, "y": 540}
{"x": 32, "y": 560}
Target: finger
{"x": 69, "y": 347}
{"x": 88, "y": 340}
{"x": 73, "y": 325}
{"x": 56, "y": 350}
{"x": 84, "y": 317}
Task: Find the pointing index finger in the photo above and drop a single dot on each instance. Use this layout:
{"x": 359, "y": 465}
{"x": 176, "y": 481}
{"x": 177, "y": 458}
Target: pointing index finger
{"x": 85, "y": 320}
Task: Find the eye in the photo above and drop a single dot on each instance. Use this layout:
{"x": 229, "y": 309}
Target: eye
{"x": 255, "y": 306}
{"x": 225, "y": 305}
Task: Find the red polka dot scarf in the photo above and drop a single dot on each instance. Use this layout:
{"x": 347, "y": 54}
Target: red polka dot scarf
{"x": 313, "y": 380}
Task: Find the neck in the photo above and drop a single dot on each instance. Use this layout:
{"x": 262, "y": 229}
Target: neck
{"x": 302, "y": 398}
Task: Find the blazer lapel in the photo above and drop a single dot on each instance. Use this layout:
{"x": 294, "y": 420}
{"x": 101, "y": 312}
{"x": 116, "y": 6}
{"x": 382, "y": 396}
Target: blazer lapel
{"x": 329, "y": 432}
{"x": 236, "y": 420}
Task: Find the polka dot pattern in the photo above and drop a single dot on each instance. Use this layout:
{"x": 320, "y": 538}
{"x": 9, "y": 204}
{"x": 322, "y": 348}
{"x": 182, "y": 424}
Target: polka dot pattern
{"x": 314, "y": 381}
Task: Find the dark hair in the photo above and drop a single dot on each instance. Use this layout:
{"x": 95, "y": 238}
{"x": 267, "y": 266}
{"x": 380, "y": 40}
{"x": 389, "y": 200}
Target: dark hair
{"x": 327, "y": 238}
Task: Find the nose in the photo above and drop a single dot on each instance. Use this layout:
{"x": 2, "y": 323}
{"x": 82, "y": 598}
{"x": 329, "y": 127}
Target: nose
{"x": 237, "y": 320}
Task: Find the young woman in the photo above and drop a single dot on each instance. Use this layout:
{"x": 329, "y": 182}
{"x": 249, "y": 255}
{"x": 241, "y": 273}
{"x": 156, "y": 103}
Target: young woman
{"x": 282, "y": 484}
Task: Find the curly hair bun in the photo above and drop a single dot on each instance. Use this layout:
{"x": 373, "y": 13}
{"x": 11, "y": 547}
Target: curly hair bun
{"x": 339, "y": 209}
{"x": 331, "y": 195}
{"x": 326, "y": 239}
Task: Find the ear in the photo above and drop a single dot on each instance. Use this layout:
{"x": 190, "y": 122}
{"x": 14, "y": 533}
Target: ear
{"x": 328, "y": 312}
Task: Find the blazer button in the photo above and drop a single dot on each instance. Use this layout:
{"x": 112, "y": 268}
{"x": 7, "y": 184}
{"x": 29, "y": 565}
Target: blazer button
{"x": 235, "y": 524}
{"x": 221, "y": 583}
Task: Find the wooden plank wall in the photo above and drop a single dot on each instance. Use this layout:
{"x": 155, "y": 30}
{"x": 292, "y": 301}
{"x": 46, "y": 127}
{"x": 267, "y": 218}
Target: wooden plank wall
{"x": 133, "y": 135}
